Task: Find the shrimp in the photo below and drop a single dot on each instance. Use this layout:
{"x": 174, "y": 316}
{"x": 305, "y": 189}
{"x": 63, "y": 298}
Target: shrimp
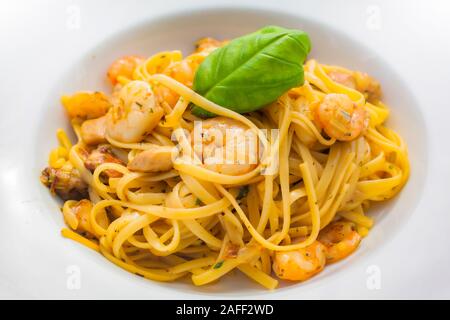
{"x": 183, "y": 71}
{"x": 124, "y": 67}
{"x": 208, "y": 45}
{"x": 227, "y": 146}
{"x": 86, "y": 105}
{"x": 340, "y": 238}
{"x": 155, "y": 159}
{"x": 344, "y": 78}
{"x": 164, "y": 94}
{"x": 301, "y": 264}
{"x": 66, "y": 182}
{"x": 93, "y": 130}
{"x": 341, "y": 118}
{"x": 135, "y": 113}
{"x": 367, "y": 85}
{"x": 359, "y": 81}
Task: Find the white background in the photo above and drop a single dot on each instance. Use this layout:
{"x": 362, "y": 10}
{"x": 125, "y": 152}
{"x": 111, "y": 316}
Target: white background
{"x": 35, "y": 40}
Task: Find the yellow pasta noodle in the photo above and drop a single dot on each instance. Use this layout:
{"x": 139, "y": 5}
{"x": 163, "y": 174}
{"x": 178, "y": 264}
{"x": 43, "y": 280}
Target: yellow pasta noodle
{"x": 192, "y": 221}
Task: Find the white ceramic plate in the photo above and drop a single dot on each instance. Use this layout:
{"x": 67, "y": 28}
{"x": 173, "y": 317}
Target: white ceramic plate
{"x": 405, "y": 254}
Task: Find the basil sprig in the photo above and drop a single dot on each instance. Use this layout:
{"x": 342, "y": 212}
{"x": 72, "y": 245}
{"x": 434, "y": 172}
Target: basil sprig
{"x": 253, "y": 70}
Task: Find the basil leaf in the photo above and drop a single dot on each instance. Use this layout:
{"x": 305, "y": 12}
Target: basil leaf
{"x": 253, "y": 70}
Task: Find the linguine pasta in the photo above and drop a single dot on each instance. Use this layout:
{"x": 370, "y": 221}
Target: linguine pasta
{"x": 193, "y": 221}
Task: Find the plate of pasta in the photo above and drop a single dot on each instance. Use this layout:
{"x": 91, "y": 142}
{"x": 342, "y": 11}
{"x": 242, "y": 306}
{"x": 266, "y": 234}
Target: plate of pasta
{"x": 187, "y": 156}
